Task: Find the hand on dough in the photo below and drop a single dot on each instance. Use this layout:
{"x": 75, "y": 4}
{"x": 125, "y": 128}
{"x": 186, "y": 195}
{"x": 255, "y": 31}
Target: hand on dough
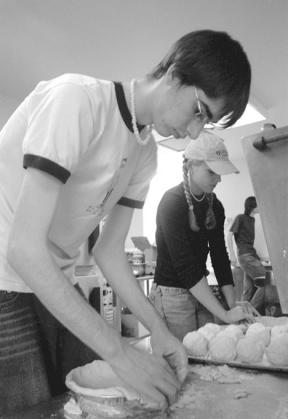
{"x": 166, "y": 345}
{"x": 240, "y": 312}
{"x": 148, "y": 374}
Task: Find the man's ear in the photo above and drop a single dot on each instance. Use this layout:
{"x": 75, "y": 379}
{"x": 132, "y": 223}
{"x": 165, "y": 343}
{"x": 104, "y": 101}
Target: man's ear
{"x": 170, "y": 77}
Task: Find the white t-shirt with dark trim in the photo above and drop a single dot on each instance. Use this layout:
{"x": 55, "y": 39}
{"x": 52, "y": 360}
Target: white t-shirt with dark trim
{"x": 77, "y": 129}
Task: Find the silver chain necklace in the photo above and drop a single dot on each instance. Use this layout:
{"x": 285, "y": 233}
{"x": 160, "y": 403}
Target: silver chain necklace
{"x": 136, "y": 132}
{"x": 198, "y": 199}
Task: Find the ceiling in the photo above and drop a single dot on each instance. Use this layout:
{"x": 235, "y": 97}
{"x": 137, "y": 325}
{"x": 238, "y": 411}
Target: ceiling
{"x": 121, "y": 39}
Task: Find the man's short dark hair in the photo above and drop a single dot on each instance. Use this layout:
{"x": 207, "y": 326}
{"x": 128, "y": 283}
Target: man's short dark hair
{"x": 214, "y": 62}
{"x": 249, "y": 205}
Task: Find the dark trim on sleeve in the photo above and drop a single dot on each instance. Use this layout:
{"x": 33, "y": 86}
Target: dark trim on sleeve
{"x": 46, "y": 165}
{"x": 123, "y": 107}
{"x": 131, "y": 203}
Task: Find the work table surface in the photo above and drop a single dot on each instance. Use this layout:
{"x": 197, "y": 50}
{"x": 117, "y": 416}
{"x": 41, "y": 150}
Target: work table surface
{"x": 256, "y": 395}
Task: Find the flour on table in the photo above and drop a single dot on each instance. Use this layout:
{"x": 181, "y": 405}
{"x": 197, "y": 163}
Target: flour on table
{"x": 222, "y": 374}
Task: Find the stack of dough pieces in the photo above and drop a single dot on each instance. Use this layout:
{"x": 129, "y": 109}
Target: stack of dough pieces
{"x": 250, "y": 345}
{"x": 234, "y": 331}
{"x": 222, "y": 348}
{"x": 277, "y": 351}
{"x": 210, "y": 330}
{"x": 196, "y": 344}
{"x": 250, "y": 350}
{"x": 260, "y": 332}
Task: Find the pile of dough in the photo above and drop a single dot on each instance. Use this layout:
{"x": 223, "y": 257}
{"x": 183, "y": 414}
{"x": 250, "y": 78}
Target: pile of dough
{"x": 196, "y": 344}
{"x": 222, "y": 348}
{"x": 277, "y": 351}
{"x": 279, "y": 329}
{"x": 250, "y": 349}
{"x": 213, "y": 327}
{"x": 234, "y": 331}
{"x": 260, "y": 331}
{"x": 210, "y": 330}
{"x": 97, "y": 379}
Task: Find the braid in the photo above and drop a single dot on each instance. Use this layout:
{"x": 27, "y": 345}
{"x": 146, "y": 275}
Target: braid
{"x": 192, "y": 218}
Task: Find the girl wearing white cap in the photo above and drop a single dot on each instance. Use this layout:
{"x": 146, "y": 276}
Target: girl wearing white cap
{"x": 190, "y": 221}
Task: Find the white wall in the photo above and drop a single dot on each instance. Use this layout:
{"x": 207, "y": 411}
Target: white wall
{"x": 7, "y": 107}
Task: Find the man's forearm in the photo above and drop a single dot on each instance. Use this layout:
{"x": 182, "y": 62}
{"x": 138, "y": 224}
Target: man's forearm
{"x": 122, "y": 280}
{"x": 58, "y": 295}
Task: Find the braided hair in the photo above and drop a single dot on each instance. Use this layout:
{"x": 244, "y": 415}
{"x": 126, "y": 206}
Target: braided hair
{"x": 210, "y": 220}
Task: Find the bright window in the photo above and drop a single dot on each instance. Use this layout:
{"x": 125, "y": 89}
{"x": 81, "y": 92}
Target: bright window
{"x": 169, "y": 174}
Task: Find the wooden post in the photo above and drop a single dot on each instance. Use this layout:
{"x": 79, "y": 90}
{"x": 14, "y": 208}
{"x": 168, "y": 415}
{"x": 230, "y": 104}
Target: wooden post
{"x": 269, "y": 175}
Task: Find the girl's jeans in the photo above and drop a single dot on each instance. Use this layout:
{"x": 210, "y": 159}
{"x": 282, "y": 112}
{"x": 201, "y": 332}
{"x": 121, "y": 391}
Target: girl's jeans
{"x": 180, "y": 310}
{"x": 23, "y": 380}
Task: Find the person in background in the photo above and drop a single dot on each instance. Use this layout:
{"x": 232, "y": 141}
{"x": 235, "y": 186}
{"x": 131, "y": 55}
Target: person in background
{"x": 76, "y": 150}
{"x": 189, "y": 226}
{"x": 243, "y": 231}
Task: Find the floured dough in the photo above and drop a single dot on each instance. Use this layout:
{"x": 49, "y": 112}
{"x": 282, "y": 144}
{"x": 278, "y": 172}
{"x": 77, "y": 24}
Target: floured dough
{"x": 250, "y": 349}
{"x": 196, "y": 344}
{"x": 255, "y": 328}
{"x": 99, "y": 380}
{"x": 260, "y": 331}
{"x": 279, "y": 329}
{"x": 212, "y": 327}
{"x": 277, "y": 351}
{"x": 222, "y": 348}
{"x": 234, "y": 331}
{"x": 210, "y": 330}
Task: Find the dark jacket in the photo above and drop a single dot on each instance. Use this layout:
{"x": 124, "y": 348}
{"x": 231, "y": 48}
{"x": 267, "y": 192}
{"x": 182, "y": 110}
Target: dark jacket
{"x": 181, "y": 252}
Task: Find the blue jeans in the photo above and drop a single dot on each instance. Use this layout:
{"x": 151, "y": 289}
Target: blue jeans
{"x": 253, "y": 269}
{"x": 23, "y": 380}
{"x": 180, "y": 310}
{"x": 62, "y": 350}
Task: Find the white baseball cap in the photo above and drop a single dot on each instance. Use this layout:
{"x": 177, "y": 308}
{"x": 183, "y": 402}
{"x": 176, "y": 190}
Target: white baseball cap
{"x": 211, "y": 149}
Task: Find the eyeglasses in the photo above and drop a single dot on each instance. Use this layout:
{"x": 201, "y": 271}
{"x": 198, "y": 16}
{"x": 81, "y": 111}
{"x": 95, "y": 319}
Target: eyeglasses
{"x": 201, "y": 115}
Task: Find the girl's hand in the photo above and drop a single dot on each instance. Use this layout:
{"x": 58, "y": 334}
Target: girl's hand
{"x": 242, "y": 311}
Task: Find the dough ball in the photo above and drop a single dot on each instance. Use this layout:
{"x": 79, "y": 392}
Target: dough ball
{"x": 212, "y": 327}
{"x": 195, "y": 344}
{"x": 255, "y": 328}
{"x": 234, "y": 331}
{"x": 243, "y": 327}
{"x": 222, "y": 348}
{"x": 260, "y": 332}
{"x": 206, "y": 333}
{"x": 278, "y": 330}
{"x": 250, "y": 349}
{"x": 96, "y": 375}
{"x": 209, "y": 330}
{"x": 277, "y": 351}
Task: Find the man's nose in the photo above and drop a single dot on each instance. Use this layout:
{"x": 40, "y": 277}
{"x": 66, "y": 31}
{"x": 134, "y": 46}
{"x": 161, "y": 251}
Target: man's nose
{"x": 194, "y": 129}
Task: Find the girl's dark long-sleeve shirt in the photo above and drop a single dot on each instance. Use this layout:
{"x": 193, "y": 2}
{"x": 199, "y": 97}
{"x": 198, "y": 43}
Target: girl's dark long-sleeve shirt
{"x": 181, "y": 252}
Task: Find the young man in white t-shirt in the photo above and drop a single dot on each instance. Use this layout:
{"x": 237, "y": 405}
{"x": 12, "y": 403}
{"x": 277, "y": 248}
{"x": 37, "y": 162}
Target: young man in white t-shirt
{"x": 79, "y": 149}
